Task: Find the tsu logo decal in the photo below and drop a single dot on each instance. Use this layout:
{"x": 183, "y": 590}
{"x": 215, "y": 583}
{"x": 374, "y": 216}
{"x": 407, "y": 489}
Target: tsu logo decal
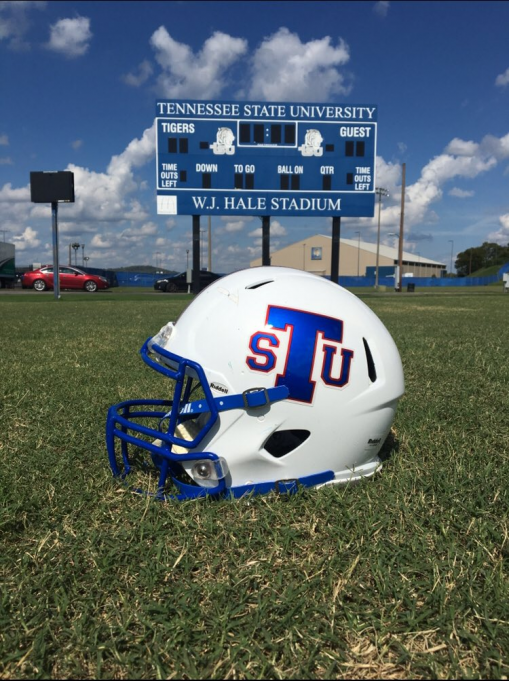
{"x": 306, "y": 333}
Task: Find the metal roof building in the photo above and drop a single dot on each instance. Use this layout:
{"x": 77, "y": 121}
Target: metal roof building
{"x": 314, "y": 255}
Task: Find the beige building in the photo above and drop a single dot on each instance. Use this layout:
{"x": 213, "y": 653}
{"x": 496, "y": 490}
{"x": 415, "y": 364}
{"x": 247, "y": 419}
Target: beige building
{"x": 314, "y": 255}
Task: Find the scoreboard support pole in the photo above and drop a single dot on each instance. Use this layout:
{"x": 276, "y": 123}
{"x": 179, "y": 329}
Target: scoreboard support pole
{"x": 195, "y": 289}
{"x": 266, "y": 240}
{"x": 334, "y": 264}
{"x": 56, "y": 269}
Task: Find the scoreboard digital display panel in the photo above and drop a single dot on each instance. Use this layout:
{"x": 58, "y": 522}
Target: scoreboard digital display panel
{"x": 262, "y": 158}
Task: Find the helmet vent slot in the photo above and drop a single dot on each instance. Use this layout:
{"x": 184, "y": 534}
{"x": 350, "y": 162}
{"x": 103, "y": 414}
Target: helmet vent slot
{"x": 283, "y": 442}
{"x": 259, "y": 284}
{"x": 371, "y": 364}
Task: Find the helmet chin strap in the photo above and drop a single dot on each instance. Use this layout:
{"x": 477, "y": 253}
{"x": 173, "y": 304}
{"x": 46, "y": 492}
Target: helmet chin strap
{"x": 254, "y": 398}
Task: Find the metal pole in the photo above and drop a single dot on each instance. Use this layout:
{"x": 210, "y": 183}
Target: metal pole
{"x": 334, "y": 262}
{"x": 196, "y": 255}
{"x": 358, "y": 252}
{"x": 202, "y": 231}
{"x": 401, "y": 225}
{"x": 452, "y": 247}
{"x": 266, "y": 240}
{"x": 378, "y": 240}
{"x": 56, "y": 272}
{"x": 210, "y": 245}
{"x": 381, "y": 192}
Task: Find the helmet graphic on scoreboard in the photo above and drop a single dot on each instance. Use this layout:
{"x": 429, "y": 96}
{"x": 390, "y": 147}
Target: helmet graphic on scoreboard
{"x": 278, "y": 378}
{"x": 312, "y": 144}
{"x": 224, "y": 142}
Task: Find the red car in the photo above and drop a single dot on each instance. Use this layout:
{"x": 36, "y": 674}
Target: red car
{"x": 70, "y": 277}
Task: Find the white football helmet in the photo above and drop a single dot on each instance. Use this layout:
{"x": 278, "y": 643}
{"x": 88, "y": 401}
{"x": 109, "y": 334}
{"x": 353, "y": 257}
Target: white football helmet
{"x": 298, "y": 383}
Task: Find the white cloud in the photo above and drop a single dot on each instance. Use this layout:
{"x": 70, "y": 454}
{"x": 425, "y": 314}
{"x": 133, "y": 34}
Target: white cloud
{"x": 428, "y": 188}
{"x": 200, "y": 75}
{"x": 460, "y": 147}
{"x": 496, "y": 146}
{"x": 99, "y": 241}
{"x": 460, "y": 193}
{"x": 10, "y": 195}
{"x": 388, "y": 175}
{"x": 502, "y": 236}
{"x": 28, "y": 239}
{"x": 6, "y": 161}
{"x": 446, "y": 166}
{"x": 4, "y": 141}
{"x": 276, "y": 229}
{"x": 137, "y": 153}
{"x": 140, "y": 76}
{"x": 234, "y": 226}
{"x": 381, "y": 8}
{"x": 15, "y": 23}
{"x": 284, "y": 68}
{"x": 102, "y": 197}
{"x": 503, "y": 79}
{"x": 70, "y": 37}
{"x": 77, "y": 144}
{"x": 139, "y": 233}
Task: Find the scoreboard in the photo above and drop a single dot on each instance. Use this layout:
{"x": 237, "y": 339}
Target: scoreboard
{"x": 263, "y": 158}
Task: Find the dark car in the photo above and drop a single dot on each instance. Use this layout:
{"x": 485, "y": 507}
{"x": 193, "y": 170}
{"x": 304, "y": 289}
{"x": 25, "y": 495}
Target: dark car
{"x": 109, "y": 275}
{"x": 178, "y": 282}
{"x": 70, "y": 277}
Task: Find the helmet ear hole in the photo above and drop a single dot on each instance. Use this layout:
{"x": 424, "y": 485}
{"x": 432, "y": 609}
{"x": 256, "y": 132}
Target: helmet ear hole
{"x": 283, "y": 442}
{"x": 371, "y": 363}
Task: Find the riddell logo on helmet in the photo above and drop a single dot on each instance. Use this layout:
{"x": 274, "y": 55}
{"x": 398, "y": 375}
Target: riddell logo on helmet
{"x": 220, "y": 388}
{"x": 305, "y": 332}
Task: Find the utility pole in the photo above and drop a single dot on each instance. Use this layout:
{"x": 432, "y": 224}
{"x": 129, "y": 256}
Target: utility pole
{"x": 452, "y": 247}
{"x": 358, "y": 252}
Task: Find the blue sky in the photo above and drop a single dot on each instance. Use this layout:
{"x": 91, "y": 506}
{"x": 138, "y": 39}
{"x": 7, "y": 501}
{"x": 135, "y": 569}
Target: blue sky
{"x": 79, "y": 82}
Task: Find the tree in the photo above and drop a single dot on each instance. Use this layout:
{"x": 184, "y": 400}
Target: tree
{"x": 479, "y": 257}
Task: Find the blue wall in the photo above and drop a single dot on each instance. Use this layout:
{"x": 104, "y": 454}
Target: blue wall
{"x": 420, "y": 282}
{"x": 138, "y": 278}
{"x": 143, "y": 279}
{"x": 424, "y": 282}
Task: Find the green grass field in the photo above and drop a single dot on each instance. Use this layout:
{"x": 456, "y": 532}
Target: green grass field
{"x": 403, "y": 576}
